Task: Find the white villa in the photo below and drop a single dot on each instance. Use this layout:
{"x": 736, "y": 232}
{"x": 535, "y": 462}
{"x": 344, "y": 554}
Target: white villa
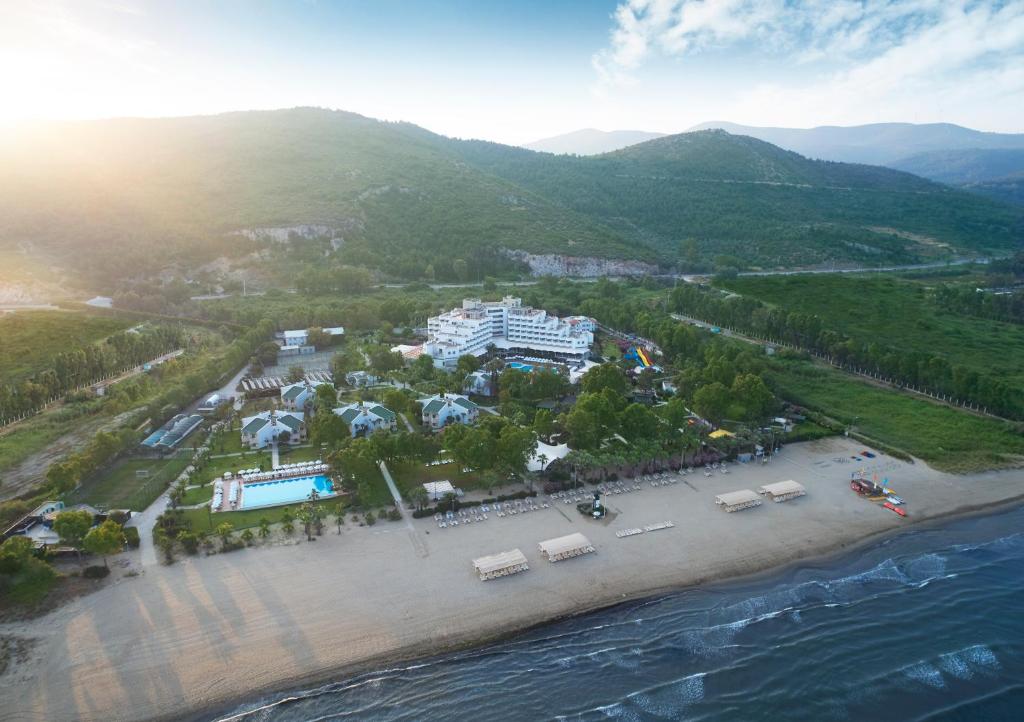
{"x": 260, "y": 430}
{"x": 363, "y": 419}
{"x": 508, "y": 326}
{"x": 480, "y": 383}
{"x": 444, "y": 409}
{"x": 295, "y": 396}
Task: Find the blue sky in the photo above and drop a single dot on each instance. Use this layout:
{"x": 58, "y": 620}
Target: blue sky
{"x": 514, "y": 72}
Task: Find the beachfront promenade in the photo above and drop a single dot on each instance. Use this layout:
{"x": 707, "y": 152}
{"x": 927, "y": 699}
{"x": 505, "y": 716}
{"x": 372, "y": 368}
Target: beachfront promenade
{"x": 207, "y": 630}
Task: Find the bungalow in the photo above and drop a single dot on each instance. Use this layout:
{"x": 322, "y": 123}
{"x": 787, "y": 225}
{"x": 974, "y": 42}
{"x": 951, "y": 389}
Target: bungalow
{"x": 363, "y": 419}
{"x": 480, "y": 383}
{"x": 445, "y": 409}
{"x": 294, "y": 397}
{"x": 259, "y": 431}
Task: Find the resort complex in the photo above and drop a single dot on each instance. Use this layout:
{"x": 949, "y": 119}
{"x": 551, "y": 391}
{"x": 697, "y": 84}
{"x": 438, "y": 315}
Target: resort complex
{"x": 263, "y": 429}
{"x": 294, "y": 397}
{"x": 510, "y": 328}
{"x": 444, "y": 409}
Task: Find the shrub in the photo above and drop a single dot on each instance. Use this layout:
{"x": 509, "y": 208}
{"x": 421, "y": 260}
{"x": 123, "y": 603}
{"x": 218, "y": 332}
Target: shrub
{"x": 370, "y": 519}
{"x": 189, "y": 542}
{"x": 118, "y": 517}
{"x": 131, "y": 537}
{"x": 95, "y": 572}
{"x": 394, "y": 515}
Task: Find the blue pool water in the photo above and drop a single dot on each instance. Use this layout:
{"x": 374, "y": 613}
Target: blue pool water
{"x": 284, "y": 491}
{"x": 520, "y": 366}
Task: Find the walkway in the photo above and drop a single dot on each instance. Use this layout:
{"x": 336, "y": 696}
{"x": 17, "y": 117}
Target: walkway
{"x": 275, "y": 455}
{"x": 417, "y": 542}
{"x": 406, "y": 422}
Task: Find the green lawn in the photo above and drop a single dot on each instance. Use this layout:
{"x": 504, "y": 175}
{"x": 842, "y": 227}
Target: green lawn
{"x": 120, "y": 487}
{"x": 895, "y": 312}
{"x": 198, "y": 495}
{"x": 203, "y": 520}
{"x": 409, "y": 475}
{"x": 946, "y": 438}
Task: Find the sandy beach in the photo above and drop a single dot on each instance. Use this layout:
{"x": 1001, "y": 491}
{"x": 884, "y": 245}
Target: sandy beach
{"x": 205, "y": 633}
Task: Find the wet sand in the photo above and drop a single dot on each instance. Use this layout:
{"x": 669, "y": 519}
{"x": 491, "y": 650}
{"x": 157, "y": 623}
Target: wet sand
{"x": 207, "y": 633}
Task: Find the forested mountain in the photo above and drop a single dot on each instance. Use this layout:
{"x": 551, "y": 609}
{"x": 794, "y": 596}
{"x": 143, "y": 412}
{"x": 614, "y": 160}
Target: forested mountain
{"x": 996, "y": 173}
{"x": 875, "y": 143}
{"x": 591, "y": 141}
{"x": 128, "y": 198}
{"x": 121, "y": 197}
{"x": 741, "y": 197}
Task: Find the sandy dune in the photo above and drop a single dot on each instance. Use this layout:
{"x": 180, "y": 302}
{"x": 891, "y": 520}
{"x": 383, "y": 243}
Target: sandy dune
{"x": 207, "y": 632}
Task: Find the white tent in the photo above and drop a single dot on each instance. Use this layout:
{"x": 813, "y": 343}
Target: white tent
{"x": 501, "y": 564}
{"x": 550, "y": 454}
{"x": 564, "y": 547}
{"x": 437, "y": 489}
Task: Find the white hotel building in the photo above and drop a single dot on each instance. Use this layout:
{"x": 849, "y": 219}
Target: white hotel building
{"x": 512, "y": 328}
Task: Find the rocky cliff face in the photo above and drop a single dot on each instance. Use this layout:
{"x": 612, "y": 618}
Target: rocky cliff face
{"x": 552, "y": 264}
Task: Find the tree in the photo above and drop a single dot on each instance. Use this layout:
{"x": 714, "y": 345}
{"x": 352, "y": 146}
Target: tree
{"x": 105, "y": 539}
{"x": 638, "y": 422}
{"x": 248, "y": 536}
{"x": 515, "y": 445}
{"x": 395, "y": 400}
{"x": 339, "y": 515}
{"x": 71, "y": 527}
{"x": 224, "y": 530}
{"x": 467, "y": 364}
{"x": 264, "y": 530}
{"x": 605, "y": 376}
{"x": 712, "y": 401}
{"x": 306, "y": 516}
{"x": 756, "y": 398}
{"x": 15, "y": 554}
{"x": 543, "y": 423}
{"x": 316, "y": 337}
{"x": 383, "y": 360}
{"x": 296, "y": 374}
{"x": 420, "y": 497}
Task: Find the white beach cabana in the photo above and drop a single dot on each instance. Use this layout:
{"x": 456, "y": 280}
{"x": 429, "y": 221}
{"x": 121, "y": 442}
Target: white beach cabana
{"x": 736, "y": 500}
{"x": 782, "y": 490}
{"x": 501, "y": 564}
{"x": 565, "y": 547}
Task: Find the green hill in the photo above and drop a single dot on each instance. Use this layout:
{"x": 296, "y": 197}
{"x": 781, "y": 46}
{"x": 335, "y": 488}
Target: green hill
{"x": 127, "y": 198}
{"x": 763, "y": 205}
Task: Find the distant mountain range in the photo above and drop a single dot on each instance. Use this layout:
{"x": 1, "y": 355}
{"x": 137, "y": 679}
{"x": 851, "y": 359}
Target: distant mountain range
{"x": 988, "y": 163}
{"x": 591, "y": 141}
{"x": 127, "y": 198}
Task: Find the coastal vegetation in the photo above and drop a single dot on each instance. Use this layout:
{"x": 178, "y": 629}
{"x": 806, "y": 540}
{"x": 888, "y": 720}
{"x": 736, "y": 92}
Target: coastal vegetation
{"x": 946, "y": 438}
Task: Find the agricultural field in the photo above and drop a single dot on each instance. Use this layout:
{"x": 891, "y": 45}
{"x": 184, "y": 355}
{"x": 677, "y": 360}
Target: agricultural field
{"x": 946, "y": 438}
{"x": 32, "y": 338}
{"x": 897, "y": 313}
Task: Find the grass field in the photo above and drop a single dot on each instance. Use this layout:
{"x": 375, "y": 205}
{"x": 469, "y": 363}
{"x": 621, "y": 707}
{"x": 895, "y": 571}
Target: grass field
{"x": 120, "y": 487}
{"x": 946, "y": 438}
{"x": 32, "y": 338}
{"x": 895, "y": 312}
{"x": 203, "y": 520}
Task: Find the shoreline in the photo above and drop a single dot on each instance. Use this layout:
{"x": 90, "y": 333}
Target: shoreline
{"x": 227, "y": 712}
{"x": 207, "y": 635}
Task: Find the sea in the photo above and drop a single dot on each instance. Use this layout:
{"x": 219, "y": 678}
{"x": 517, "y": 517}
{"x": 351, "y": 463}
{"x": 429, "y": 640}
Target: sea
{"x": 924, "y": 625}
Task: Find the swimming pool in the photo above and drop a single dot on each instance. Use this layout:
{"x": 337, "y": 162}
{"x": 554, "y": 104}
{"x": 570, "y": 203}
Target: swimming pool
{"x": 284, "y": 491}
{"x": 518, "y": 366}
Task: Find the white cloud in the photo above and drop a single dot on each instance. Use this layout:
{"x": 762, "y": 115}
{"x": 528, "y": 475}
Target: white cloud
{"x": 863, "y": 56}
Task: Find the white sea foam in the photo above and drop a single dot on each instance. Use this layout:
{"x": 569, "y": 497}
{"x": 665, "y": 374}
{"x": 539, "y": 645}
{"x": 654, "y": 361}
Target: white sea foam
{"x": 925, "y": 673}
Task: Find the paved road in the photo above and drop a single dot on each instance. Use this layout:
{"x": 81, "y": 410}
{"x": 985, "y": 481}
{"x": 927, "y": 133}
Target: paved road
{"x": 417, "y": 541}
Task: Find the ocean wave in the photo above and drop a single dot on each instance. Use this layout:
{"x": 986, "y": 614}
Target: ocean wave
{"x": 962, "y": 664}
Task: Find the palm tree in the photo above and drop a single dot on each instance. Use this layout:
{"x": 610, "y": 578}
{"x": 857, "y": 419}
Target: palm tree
{"x": 248, "y": 536}
{"x": 288, "y": 528}
{"x": 224, "y": 532}
{"x": 264, "y": 531}
{"x": 339, "y": 515}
